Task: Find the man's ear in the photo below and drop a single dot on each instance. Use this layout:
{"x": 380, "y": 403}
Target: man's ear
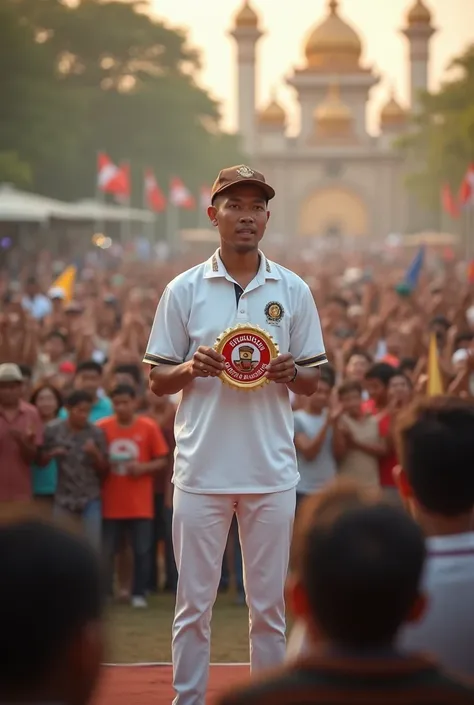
{"x": 212, "y": 214}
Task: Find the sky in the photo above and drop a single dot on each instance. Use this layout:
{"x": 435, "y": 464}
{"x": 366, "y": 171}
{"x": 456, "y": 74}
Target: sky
{"x": 282, "y": 48}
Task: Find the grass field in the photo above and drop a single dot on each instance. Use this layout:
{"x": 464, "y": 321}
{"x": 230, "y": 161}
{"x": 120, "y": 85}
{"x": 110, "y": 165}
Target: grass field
{"x": 138, "y": 636}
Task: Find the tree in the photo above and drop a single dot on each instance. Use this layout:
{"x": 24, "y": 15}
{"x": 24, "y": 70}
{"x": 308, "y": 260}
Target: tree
{"x": 106, "y": 76}
{"x": 440, "y": 144}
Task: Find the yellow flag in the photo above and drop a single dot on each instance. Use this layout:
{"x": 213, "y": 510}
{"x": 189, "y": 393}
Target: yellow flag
{"x": 435, "y": 382}
{"x": 66, "y": 281}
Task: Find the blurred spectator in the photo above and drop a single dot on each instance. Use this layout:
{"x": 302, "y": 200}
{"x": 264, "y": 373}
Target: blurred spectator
{"x": 137, "y": 452}
{"x": 357, "y": 443}
{"x": 89, "y": 379}
{"x": 355, "y": 580}
{"x": 48, "y": 402}
{"x": 437, "y": 481}
{"x": 21, "y": 435}
{"x": 80, "y": 450}
{"x": 34, "y": 301}
{"x": 51, "y": 604}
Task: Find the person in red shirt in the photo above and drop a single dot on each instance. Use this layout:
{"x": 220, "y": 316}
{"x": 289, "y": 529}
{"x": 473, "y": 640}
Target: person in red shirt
{"x": 137, "y": 451}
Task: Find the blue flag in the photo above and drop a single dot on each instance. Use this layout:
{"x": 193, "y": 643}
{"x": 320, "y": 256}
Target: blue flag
{"x": 414, "y": 270}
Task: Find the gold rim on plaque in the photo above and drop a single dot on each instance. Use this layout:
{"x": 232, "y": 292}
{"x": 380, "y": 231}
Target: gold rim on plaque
{"x": 251, "y": 330}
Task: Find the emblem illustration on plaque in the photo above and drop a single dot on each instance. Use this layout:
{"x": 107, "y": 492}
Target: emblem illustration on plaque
{"x": 247, "y": 350}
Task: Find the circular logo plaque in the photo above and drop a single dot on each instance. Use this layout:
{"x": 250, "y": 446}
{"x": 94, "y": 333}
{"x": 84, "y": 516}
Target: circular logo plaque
{"x": 247, "y": 350}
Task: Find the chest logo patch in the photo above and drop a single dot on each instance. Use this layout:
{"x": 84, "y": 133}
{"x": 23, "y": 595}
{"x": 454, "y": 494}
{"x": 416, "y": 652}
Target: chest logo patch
{"x": 274, "y": 312}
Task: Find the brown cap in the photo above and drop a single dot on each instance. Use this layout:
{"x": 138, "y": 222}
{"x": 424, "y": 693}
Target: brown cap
{"x": 237, "y": 175}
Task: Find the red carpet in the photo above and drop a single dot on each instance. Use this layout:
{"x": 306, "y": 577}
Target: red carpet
{"x": 151, "y": 685}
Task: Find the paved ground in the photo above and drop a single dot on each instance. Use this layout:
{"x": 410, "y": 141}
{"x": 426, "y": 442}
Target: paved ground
{"x": 151, "y": 685}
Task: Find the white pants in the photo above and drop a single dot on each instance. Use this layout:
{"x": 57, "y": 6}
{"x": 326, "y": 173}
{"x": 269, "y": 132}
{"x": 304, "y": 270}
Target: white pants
{"x": 201, "y": 525}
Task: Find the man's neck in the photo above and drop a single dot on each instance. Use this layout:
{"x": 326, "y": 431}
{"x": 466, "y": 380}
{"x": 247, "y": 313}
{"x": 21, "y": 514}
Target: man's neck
{"x": 240, "y": 264}
{"x": 438, "y": 525}
{"x": 125, "y": 423}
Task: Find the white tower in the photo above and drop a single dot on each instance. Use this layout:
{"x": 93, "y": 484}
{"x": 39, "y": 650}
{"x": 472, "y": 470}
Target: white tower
{"x": 419, "y": 31}
{"x": 246, "y": 33}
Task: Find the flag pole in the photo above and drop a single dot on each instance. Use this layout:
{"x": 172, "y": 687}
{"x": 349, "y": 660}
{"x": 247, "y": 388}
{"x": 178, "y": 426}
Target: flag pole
{"x": 99, "y": 197}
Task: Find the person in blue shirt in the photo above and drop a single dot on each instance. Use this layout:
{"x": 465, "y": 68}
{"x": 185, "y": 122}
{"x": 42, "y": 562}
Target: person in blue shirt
{"x": 48, "y": 401}
{"x": 88, "y": 378}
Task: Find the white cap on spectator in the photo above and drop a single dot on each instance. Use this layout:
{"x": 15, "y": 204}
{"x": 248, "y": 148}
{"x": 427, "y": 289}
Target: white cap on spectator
{"x": 9, "y": 372}
{"x": 460, "y": 356}
{"x": 56, "y": 293}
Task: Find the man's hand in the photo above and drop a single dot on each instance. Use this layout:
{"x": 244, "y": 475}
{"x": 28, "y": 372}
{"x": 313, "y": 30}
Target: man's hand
{"x": 90, "y": 448}
{"x": 136, "y": 469}
{"x": 281, "y": 369}
{"x": 23, "y": 438}
{"x": 206, "y": 362}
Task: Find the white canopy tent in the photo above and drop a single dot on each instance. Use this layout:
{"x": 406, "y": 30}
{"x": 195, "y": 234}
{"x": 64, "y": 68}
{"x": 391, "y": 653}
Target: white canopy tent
{"x": 22, "y": 207}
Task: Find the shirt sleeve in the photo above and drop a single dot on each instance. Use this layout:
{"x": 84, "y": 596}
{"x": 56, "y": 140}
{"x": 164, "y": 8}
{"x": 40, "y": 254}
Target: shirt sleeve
{"x": 306, "y": 337}
{"x": 38, "y": 428}
{"x": 169, "y": 341}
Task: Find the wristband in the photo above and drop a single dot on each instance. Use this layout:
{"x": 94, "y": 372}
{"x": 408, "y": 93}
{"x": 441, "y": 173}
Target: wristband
{"x": 294, "y": 376}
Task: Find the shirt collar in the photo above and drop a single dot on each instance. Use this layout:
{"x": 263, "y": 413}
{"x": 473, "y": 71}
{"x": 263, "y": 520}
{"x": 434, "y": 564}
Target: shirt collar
{"x": 214, "y": 267}
{"x": 451, "y": 545}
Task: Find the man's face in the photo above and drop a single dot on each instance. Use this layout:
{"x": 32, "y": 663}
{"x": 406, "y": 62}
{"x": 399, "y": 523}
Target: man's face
{"x": 88, "y": 381}
{"x": 241, "y": 215}
{"x": 377, "y": 391}
{"x": 357, "y": 367}
{"x": 124, "y": 406}
{"x": 79, "y": 414}
{"x": 320, "y": 399}
{"x": 10, "y": 393}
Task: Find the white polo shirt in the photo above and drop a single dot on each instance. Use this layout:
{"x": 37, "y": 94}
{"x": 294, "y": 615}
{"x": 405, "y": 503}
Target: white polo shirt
{"x": 230, "y": 441}
{"x": 447, "y": 629}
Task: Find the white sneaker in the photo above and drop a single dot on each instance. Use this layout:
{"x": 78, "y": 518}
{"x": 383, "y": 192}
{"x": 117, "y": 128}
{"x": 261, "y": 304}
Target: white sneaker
{"x": 139, "y": 602}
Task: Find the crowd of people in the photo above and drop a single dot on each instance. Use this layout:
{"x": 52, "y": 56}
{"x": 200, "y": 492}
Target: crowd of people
{"x": 82, "y": 435}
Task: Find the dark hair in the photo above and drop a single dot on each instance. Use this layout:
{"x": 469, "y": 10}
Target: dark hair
{"x": 400, "y": 373}
{"x": 361, "y": 570}
{"x": 38, "y": 624}
{"x": 26, "y": 371}
{"x": 351, "y": 385}
{"x": 436, "y": 448}
{"x": 133, "y": 370}
{"x": 78, "y": 397}
{"x": 339, "y": 300}
{"x": 407, "y": 364}
{"x": 57, "y": 334}
{"x": 89, "y": 366}
{"x": 381, "y": 371}
{"x": 37, "y": 391}
{"x": 361, "y": 353}
{"x": 125, "y": 390}
{"x": 440, "y": 321}
{"x": 328, "y": 375}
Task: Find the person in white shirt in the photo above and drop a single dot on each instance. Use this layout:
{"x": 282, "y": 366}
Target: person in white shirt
{"x": 437, "y": 482}
{"x": 437, "y": 485}
{"x": 37, "y": 304}
{"x": 234, "y": 449}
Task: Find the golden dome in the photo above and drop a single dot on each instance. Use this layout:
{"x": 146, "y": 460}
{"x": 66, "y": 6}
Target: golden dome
{"x": 392, "y": 113}
{"x": 273, "y": 114}
{"x": 246, "y": 17}
{"x": 333, "y": 44}
{"x": 419, "y": 14}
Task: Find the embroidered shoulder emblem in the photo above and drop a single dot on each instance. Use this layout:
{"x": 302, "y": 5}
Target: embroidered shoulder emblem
{"x": 274, "y": 312}
{"x": 215, "y": 266}
{"x": 245, "y": 172}
{"x": 267, "y": 266}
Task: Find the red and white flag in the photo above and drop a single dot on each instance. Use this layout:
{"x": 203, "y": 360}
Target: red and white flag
{"x": 180, "y": 195}
{"x": 205, "y": 197}
{"x": 155, "y": 198}
{"x": 112, "y": 178}
{"x": 448, "y": 201}
{"x": 466, "y": 192}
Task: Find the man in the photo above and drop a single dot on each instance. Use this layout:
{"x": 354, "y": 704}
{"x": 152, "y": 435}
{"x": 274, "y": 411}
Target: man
{"x": 137, "y": 452}
{"x": 235, "y": 451}
{"x": 35, "y": 302}
{"x": 51, "y": 615}
{"x": 437, "y": 480}
{"x": 356, "y": 570}
{"x": 21, "y": 435}
{"x": 80, "y": 450}
{"x": 89, "y": 378}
